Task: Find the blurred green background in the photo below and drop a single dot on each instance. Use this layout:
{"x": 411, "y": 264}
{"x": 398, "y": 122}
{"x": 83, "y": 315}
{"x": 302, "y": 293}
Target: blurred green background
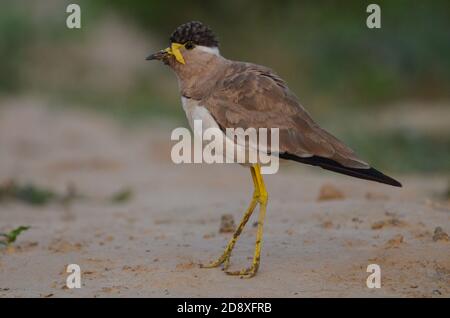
{"x": 385, "y": 92}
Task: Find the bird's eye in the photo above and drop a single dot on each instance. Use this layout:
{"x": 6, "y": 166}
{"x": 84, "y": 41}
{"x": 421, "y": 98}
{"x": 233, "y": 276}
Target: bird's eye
{"x": 189, "y": 45}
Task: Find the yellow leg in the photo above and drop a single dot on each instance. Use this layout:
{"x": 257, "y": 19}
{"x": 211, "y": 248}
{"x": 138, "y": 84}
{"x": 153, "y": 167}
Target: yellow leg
{"x": 259, "y": 196}
{"x": 262, "y": 199}
{"x": 225, "y": 257}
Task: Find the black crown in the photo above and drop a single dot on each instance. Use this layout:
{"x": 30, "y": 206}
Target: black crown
{"x": 196, "y": 32}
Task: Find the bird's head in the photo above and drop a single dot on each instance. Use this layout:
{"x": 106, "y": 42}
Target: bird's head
{"x": 189, "y": 43}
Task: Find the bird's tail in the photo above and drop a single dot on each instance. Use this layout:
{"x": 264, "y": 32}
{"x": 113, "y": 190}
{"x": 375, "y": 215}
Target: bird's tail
{"x": 329, "y": 164}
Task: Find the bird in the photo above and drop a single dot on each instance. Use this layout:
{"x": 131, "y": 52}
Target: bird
{"x": 229, "y": 94}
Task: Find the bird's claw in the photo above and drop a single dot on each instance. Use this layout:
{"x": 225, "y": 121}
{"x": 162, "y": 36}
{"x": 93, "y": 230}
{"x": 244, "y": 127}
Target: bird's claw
{"x": 244, "y": 273}
{"x": 224, "y": 259}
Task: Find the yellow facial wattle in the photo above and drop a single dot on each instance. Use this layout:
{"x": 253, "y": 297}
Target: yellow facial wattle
{"x": 174, "y": 50}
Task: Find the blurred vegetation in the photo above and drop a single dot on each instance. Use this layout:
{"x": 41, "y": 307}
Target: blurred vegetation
{"x": 10, "y": 237}
{"x": 122, "y": 196}
{"x": 34, "y": 195}
{"x": 324, "y": 50}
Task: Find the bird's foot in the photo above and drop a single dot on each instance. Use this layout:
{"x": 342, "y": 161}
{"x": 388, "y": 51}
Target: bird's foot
{"x": 245, "y": 273}
{"x": 224, "y": 259}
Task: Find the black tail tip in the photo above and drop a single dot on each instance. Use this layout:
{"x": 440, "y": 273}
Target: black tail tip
{"x": 371, "y": 174}
{"x": 395, "y": 183}
{"x": 375, "y": 175}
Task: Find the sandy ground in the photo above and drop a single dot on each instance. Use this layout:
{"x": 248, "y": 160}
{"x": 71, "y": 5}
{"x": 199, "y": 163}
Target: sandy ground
{"x": 152, "y": 244}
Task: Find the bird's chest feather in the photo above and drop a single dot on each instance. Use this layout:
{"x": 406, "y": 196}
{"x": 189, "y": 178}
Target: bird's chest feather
{"x": 194, "y": 111}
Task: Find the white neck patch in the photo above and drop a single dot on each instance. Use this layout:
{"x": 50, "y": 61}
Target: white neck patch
{"x": 210, "y": 50}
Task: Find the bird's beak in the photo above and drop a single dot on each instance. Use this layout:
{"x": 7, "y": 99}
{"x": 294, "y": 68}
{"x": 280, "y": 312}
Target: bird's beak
{"x": 174, "y": 50}
{"x": 159, "y": 56}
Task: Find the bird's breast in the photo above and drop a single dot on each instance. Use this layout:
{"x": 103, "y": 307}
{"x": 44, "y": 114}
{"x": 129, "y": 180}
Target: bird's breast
{"x": 195, "y": 111}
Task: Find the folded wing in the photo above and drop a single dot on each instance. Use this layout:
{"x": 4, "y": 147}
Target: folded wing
{"x": 249, "y": 95}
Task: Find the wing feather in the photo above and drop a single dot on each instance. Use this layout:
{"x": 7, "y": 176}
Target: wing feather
{"x": 250, "y": 95}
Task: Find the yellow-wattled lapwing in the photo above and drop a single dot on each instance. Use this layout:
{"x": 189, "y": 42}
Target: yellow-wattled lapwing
{"x": 229, "y": 94}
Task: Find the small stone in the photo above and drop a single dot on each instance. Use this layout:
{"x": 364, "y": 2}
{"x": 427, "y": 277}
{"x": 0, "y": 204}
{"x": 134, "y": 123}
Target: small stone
{"x": 378, "y": 225}
{"x": 357, "y": 220}
{"x": 389, "y": 222}
{"x": 395, "y": 241}
{"x": 227, "y": 224}
{"x": 440, "y": 235}
{"x": 327, "y": 225}
{"x": 329, "y": 192}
